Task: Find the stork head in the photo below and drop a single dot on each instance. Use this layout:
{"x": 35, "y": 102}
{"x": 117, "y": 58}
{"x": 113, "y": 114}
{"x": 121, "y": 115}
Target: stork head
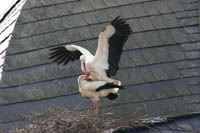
{"x": 92, "y": 73}
{"x": 89, "y": 71}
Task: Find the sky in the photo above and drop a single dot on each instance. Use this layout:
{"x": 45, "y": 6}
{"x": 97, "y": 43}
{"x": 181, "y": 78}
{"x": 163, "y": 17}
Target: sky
{"x": 5, "y": 5}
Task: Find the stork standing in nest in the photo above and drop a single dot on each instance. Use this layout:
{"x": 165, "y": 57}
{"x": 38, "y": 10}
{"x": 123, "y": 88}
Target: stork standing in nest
{"x": 96, "y": 89}
{"x": 105, "y": 63}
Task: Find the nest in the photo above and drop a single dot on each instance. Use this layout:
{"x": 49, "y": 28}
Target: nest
{"x": 76, "y": 121}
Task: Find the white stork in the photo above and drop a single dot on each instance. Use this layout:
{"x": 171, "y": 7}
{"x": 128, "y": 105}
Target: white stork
{"x": 105, "y": 62}
{"x": 95, "y": 89}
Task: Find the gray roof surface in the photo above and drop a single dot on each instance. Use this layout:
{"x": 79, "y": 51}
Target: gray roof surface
{"x": 176, "y": 125}
{"x": 160, "y": 64}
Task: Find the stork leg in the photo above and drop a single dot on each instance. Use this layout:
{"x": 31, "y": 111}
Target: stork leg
{"x": 96, "y": 110}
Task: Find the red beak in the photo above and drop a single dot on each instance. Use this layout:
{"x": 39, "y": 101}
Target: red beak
{"x": 87, "y": 74}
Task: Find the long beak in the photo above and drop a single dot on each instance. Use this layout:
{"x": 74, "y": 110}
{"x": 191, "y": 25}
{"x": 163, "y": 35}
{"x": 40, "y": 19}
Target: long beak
{"x": 87, "y": 74}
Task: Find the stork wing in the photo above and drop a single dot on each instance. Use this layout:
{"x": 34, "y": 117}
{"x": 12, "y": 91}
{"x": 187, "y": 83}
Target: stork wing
{"x": 110, "y": 45}
{"x": 100, "y": 85}
{"x": 64, "y": 54}
{"x": 109, "y": 86}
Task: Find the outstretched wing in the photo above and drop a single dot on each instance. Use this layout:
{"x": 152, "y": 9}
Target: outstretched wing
{"x": 64, "y": 54}
{"x": 110, "y": 45}
{"x": 116, "y": 43}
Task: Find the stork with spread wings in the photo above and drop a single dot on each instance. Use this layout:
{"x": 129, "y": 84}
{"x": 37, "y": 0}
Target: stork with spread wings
{"x": 105, "y": 63}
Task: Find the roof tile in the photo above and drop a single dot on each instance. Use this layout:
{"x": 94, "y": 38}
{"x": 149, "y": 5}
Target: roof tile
{"x": 122, "y": 2}
{"x": 181, "y": 15}
{"x": 135, "y": 24}
{"x": 75, "y": 35}
{"x": 154, "y": 109}
{"x": 141, "y": 40}
{"x": 176, "y": 53}
{"x": 192, "y": 54}
{"x": 68, "y": 22}
{"x": 170, "y": 20}
{"x": 151, "y": 8}
{"x": 181, "y": 87}
{"x": 146, "y": 23}
{"x": 91, "y": 17}
{"x": 168, "y": 106}
{"x": 191, "y": 46}
{"x": 138, "y": 59}
{"x": 150, "y": 57}
{"x": 166, "y": 37}
{"x": 188, "y": 64}
{"x": 110, "y": 3}
{"x": 175, "y": 5}
{"x": 113, "y": 12}
{"x": 193, "y": 80}
{"x": 194, "y": 37}
{"x": 189, "y": 21}
{"x": 158, "y": 22}
{"x": 195, "y": 122}
{"x": 192, "y": 29}
{"x": 127, "y": 11}
{"x": 195, "y": 89}
{"x": 159, "y": 73}
{"x": 194, "y": 108}
{"x": 179, "y": 102}
{"x": 172, "y": 71}
{"x": 74, "y": 8}
{"x": 191, "y": 72}
{"x": 189, "y": 1}
{"x": 139, "y": 10}
{"x": 162, "y": 6}
{"x": 55, "y": 24}
{"x": 103, "y": 16}
{"x": 153, "y": 38}
{"x": 192, "y": 99}
{"x": 169, "y": 89}
{"x": 86, "y": 5}
{"x": 63, "y": 37}
{"x": 132, "y": 74}
{"x": 98, "y": 4}
{"x": 179, "y": 35}
{"x": 192, "y": 13}
{"x": 131, "y": 43}
{"x": 79, "y": 20}
{"x": 191, "y": 6}
{"x": 162, "y": 55}
{"x": 84, "y": 33}
{"x": 147, "y": 76}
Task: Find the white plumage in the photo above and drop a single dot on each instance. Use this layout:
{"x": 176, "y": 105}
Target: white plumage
{"x": 96, "y": 89}
{"x": 105, "y": 62}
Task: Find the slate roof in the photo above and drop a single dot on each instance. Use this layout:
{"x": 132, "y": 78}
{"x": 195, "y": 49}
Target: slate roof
{"x": 160, "y": 64}
{"x": 175, "y": 125}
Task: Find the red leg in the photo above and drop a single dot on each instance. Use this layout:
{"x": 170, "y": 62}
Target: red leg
{"x": 96, "y": 110}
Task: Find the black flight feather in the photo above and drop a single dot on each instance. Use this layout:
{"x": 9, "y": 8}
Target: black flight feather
{"x": 109, "y": 86}
{"x": 63, "y": 55}
{"x": 116, "y": 43}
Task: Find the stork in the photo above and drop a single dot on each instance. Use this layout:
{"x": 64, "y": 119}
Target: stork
{"x": 105, "y": 62}
{"x": 96, "y": 89}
